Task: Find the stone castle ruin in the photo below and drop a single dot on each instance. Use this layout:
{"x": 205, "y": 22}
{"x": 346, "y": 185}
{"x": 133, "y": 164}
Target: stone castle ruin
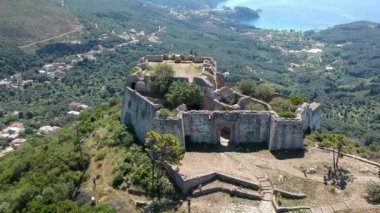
{"x": 223, "y": 116}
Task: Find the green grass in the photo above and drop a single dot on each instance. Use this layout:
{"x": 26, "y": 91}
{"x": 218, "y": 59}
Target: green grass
{"x": 26, "y": 21}
{"x": 255, "y": 107}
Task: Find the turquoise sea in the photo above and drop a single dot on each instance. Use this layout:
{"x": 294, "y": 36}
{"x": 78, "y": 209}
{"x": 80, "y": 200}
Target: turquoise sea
{"x": 309, "y": 14}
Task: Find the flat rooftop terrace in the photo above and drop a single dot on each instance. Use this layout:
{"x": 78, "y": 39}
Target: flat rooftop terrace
{"x": 185, "y": 69}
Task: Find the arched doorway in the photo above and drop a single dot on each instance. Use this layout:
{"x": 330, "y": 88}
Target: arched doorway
{"x": 225, "y": 136}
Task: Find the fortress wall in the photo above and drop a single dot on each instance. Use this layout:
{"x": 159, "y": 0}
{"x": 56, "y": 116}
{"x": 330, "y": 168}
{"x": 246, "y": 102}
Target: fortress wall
{"x": 245, "y": 126}
{"x": 199, "y": 126}
{"x": 131, "y": 79}
{"x": 155, "y": 58}
{"x": 254, "y": 127}
{"x": 246, "y": 100}
{"x": 138, "y": 112}
{"x": 143, "y": 65}
{"x": 202, "y": 82}
{"x": 198, "y": 59}
{"x": 311, "y": 118}
{"x": 315, "y": 119}
{"x": 286, "y": 134}
{"x": 217, "y": 105}
{"x": 170, "y": 126}
{"x": 219, "y": 80}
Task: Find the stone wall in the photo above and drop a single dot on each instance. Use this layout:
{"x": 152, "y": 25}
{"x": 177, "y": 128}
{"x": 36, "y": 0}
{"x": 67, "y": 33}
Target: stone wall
{"x": 224, "y": 111}
{"x": 286, "y": 134}
{"x": 138, "y": 112}
{"x": 155, "y": 58}
{"x": 205, "y": 126}
{"x": 199, "y": 126}
{"x": 187, "y": 184}
{"x": 170, "y": 126}
{"x": 245, "y": 126}
{"x": 311, "y": 115}
{"x": 203, "y": 82}
{"x": 245, "y": 101}
{"x": 254, "y": 127}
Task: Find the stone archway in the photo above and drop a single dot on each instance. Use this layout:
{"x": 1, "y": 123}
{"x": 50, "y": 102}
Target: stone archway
{"x": 225, "y": 136}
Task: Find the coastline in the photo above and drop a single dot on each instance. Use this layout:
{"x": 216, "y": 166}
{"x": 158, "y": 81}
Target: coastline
{"x": 302, "y": 16}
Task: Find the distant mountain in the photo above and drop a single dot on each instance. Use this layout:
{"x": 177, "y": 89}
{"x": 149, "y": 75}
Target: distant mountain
{"x": 189, "y": 4}
{"x": 26, "y": 21}
{"x": 244, "y": 14}
{"x": 361, "y": 31}
{"x": 360, "y": 43}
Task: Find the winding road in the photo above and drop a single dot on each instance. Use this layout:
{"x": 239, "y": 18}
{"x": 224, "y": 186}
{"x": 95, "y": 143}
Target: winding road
{"x": 77, "y": 28}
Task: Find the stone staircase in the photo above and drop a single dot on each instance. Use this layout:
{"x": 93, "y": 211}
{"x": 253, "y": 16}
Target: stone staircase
{"x": 266, "y": 188}
{"x": 266, "y": 191}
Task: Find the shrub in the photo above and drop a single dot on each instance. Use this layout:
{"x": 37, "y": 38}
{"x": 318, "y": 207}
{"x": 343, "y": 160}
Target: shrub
{"x": 264, "y": 92}
{"x": 255, "y": 107}
{"x": 284, "y": 107}
{"x": 117, "y": 180}
{"x": 247, "y": 87}
{"x": 100, "y": 156}
{"x": 296, "y": 100}
{"x": 373, "y": 192}
{"x": 287, "y": 114}
{"x": 137, "y": 166}
{"x": 121, "y": 136}
{"x": 161, "y": 78}
{"x": 164, "y": 113}
{"x": 185, "y": 93}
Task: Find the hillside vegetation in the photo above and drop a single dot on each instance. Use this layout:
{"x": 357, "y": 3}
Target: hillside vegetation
{"x": 46, "y": 174}
{"x": 26, "y": 21}
{"x": 349, "y": 93}
{"x": 43, "y": 175}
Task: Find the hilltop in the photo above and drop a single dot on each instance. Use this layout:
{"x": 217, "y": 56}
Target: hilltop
{"x": 66, "y": 82}
{"x": 24, "y": 21}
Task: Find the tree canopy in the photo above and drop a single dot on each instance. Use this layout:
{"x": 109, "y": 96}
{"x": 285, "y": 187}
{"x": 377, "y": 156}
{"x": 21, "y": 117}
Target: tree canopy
{"x": 185, "y": 93}
{"x": 161, "y": 78}
{"x": 264, "y": 92}
{"x": 164, "y": 149}
{"x": 247, "y": 87}
{"x": 284, "y": 107}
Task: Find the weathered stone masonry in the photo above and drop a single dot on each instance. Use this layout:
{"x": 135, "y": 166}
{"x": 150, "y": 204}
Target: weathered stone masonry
{"x": 205, "y": 126}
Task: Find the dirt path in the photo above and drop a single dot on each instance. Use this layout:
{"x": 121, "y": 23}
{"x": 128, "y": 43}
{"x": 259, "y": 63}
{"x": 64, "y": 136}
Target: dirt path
{"x": 77, "y": 28}
{"x": 103, "y": 192}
